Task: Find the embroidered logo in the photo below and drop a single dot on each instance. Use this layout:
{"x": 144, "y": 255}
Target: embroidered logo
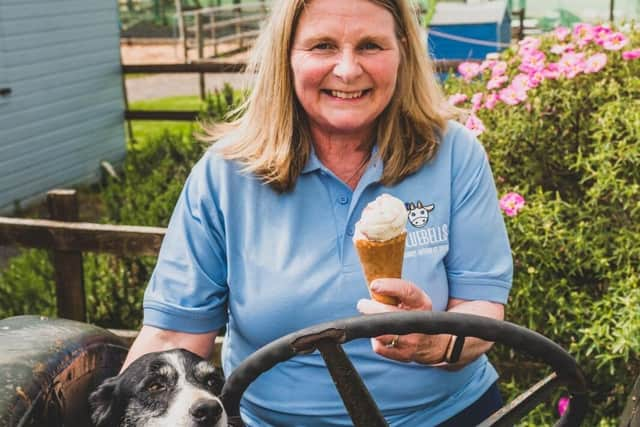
{"x": 419, "y": 213}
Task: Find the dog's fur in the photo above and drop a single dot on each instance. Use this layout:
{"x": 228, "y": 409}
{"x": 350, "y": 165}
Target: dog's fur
{"x": 173, "y": 388}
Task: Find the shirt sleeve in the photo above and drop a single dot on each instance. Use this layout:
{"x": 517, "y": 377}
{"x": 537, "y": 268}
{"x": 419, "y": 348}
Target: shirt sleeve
{"x": 188, "y": 290}
{"x": 479, "y": 262}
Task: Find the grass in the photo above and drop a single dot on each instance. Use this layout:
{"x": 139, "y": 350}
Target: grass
{"x": 144, "y": 130}
{"x": 181, "y": 103}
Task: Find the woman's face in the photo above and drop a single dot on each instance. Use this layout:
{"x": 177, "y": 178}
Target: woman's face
{"x": 345, "y": 59}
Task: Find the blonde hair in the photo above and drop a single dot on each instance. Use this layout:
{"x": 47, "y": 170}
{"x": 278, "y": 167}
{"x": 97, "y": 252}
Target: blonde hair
{"x": 270, "y": 136}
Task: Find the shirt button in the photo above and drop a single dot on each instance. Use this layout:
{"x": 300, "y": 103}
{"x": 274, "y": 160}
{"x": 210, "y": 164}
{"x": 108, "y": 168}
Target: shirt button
{"x": 343, "y": 200}
{"x": 350, "y": 231}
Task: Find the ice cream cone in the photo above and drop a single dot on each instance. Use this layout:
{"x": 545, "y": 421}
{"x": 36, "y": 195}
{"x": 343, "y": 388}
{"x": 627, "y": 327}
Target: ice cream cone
{"x": 381, "y": 259}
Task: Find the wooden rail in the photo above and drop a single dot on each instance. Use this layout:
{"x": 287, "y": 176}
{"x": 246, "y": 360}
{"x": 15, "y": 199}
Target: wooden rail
{"x": 81, "y": 236}
{"x": 67, "y": 238}
{"x": 199, "y": 27}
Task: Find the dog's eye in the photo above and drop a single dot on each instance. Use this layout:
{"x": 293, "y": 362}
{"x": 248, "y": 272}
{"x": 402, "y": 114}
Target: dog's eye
{"x": 155, "y": 387}
{"x": 212, "y": 382}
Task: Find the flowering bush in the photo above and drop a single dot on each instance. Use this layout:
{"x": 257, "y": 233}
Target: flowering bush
{"x": 559, "y": 116}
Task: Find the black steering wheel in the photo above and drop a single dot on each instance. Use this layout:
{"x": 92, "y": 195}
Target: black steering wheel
{"x": 328, "y": 337}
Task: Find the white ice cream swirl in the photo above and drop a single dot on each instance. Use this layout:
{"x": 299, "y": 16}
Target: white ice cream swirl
{"x": 382, "y": 219}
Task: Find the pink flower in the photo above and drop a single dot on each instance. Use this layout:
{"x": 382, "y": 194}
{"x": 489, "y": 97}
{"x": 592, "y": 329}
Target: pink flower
{"x": 552, "y": 71}
{"x": 571, "y": 64}
{"x": 561, "y": 48}
{"x": 561, "y": 33}
{"x": 631, "y": 54}
{"x": 521, "y": 83}
{"x": 528, "y": 44}
{"x": 615, "y": 41}
{"x": 600, "y": 34}
{"x": 563, "y": 404}
{"x": 476, "y": 101}
{"x": 491, "y": 100}
{"x": 469, "y": 70}
{"x": 512, "y": 96}
{"x": 532, "y": 61}
{"x": 487, "y": 64}
{"x": 475, "y": 125}
{"x": 511, "y": 203}
{"x": 499, "y": 68}
{"x": 583, "y": 34}
{"x": 595, "y": 63}
{"x": 457, "y": 98}
{"x": 497, "y": 82}
{"x": 535, "y": 79}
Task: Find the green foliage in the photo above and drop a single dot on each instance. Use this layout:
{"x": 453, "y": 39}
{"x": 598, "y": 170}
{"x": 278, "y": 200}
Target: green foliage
{"x": 571, "y": 149}
{"x": 27, "y": 286}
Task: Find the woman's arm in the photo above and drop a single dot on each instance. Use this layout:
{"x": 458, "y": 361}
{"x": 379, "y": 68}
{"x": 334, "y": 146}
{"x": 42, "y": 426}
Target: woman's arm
{"x": 421, "y": 348}
{"x": 152, "y": 339}
{"x": 474, "y": 347}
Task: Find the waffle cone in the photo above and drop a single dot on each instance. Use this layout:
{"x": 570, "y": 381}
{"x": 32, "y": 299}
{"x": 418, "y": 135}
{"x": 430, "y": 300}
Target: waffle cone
{"x": 381, "y": 259}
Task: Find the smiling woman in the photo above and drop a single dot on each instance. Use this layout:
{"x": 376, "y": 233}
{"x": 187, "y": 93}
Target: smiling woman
{"x": 344, "y": 107}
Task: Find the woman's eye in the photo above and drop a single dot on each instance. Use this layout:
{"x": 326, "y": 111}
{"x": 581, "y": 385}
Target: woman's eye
{"x": 370, "y": 46}
{"x": 323, "y": 46}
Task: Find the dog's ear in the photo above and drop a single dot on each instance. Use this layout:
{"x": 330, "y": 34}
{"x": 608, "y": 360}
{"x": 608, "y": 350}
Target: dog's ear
{"x": 104, "y": 404}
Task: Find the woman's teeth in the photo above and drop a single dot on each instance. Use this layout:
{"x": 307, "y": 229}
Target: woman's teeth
{"x": 347, "y": 95}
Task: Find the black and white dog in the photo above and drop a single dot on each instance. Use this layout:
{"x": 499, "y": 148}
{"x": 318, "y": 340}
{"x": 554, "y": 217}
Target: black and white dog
{"x": 172, "y": 388}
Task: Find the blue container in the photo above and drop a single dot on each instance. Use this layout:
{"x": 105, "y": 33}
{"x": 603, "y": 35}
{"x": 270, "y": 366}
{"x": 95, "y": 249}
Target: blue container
{"x": 469, "y": 30}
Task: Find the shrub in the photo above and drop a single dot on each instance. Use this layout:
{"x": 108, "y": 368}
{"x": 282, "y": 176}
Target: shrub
{"x": 562, "y": 129}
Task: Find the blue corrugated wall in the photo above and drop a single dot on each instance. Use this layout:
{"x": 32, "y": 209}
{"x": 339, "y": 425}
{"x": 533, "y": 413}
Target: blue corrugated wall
{"x": 60, "y": 58}
{"x": 445, "y": 48}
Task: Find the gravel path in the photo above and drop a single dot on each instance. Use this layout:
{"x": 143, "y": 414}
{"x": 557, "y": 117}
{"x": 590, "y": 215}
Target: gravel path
{"x": 166, "y": 85}
{"x": 154, "y": 86}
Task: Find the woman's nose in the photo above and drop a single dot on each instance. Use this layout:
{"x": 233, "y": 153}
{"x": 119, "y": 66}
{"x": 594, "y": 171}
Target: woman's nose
{"x": 347, "y": 68}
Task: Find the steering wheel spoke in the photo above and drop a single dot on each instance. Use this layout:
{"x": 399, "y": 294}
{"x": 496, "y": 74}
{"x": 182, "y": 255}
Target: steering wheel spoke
{"x": 356, "y": 397}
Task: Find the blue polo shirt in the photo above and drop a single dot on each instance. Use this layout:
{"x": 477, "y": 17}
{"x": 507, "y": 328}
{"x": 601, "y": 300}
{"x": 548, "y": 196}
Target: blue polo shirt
{"x": 267, "y": 264}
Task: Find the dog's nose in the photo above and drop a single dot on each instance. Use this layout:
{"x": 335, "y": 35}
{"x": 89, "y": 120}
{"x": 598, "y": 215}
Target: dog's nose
{"x": 206, "y": 411}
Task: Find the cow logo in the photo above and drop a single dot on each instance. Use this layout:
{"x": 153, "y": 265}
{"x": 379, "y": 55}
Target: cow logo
{"x": 419, "y": 213}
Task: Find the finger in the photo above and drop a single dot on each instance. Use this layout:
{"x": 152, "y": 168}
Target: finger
{"x": 398, "y": 352}
{"x": 386, "y": 340}
{"x": 410, "y": 296}
{"x": 369, "y": 306}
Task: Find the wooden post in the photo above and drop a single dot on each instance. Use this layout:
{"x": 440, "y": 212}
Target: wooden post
{"x": 125, "y": 97}
{"x": 611, "y": 7}
{"x": 182, "y": 29}
{"x": 200, "y": 45}
{"x": 238, "y": 15}
{"x": 71, "y": 303}
{"x": 212, "y": 21}
{"x": 521, "y": 24}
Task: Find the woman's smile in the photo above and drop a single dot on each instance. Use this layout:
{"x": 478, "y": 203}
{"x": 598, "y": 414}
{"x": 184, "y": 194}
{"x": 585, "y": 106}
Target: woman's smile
{"x": 347, "y": 95}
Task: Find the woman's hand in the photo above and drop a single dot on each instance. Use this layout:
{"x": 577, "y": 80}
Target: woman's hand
{"x": 426, "y": 349}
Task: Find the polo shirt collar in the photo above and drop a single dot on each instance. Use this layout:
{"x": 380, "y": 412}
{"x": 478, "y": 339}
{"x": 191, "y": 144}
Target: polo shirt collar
{"x": 372, "y": 173}
{"x": 313, "y": 163}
